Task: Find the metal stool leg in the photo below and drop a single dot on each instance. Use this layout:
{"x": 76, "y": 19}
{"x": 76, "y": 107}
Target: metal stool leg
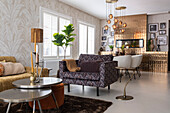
{"x": 55, "y": 100}
{"x": 9, "y": 105}
{"x": 39, "y": 106}
{"x": 34, "y": 102}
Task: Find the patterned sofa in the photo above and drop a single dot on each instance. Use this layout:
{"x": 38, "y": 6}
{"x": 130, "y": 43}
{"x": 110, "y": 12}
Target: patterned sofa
{"x": 107, "y": 73}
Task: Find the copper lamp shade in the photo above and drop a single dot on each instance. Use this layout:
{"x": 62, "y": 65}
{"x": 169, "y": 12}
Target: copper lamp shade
{"x": 108, "y": 21}
{"x": 38, "y": 34}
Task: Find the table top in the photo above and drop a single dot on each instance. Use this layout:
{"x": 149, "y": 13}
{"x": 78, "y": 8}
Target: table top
{"x": 24, "y": 95}
{"x": 44, "y": 82}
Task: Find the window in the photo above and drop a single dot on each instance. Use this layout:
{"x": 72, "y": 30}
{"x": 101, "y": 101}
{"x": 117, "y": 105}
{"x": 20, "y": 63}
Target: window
{"x": 52, "y": 23}
{"x": 86, "y": 39}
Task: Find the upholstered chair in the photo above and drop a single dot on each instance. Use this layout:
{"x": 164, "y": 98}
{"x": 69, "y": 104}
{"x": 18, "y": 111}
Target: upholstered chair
{"x": 124, "y": 63}
{"x": 135, "y": 63}
{"x": 104, "y": 76}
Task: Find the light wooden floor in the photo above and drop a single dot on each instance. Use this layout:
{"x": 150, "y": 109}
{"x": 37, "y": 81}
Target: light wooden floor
{"x": 151, "y": 94}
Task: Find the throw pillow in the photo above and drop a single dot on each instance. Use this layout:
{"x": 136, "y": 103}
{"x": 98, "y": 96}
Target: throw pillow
{"x": 1, "y": 69}
{"x": 12, "y": 68}
{"x": 91, "y": 66}
{"x": 3, "y": 61}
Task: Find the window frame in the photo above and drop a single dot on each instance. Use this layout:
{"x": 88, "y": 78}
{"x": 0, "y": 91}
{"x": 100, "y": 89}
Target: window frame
{"x": 88, "y": 25}
{"x": 58, "y": 15}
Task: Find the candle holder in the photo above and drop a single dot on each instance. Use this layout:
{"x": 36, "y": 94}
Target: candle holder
{"x": 32, "y": 77}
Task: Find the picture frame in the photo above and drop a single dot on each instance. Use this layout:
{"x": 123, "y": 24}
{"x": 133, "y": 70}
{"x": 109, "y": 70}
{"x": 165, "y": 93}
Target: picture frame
{"x": 110, "y": 40}
{"x": 162, "y": 32}
{"x": 103, "y": 44}
{"x": 162, "y": 25}
{"x": 152, "y": 35}
{"x": 106, "y": 32}
{"x": 162, "y": 40}
{"x": 112, "y": 33}
{"x": 153, "y": 28}
{"x": 104, "y": 38}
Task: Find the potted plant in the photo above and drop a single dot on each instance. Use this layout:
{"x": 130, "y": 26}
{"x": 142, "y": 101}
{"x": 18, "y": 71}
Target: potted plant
{"x": 64, "y": 40}
{"x": 123, "y": 51}
{"x": 111, "y": 47}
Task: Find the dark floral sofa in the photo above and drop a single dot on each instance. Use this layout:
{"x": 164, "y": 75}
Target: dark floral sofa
{"x": 107, "y": 73}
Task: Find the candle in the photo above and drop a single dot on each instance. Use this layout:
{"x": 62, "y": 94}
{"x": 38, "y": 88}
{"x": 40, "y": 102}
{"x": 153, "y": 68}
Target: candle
{"x": 35, "y": 41}
{"x": 32, "y": 68}
{"x": 37, "y": 58}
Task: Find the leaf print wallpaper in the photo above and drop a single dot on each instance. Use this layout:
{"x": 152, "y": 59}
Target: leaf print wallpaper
{"x": 17, "y": 17}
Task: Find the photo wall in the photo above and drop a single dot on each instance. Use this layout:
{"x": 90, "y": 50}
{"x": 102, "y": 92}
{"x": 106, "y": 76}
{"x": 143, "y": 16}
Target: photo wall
{"x": 158, "y": 32}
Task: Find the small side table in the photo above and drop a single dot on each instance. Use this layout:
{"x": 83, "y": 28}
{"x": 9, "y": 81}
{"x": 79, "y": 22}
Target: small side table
{"x": 22, "y": 95}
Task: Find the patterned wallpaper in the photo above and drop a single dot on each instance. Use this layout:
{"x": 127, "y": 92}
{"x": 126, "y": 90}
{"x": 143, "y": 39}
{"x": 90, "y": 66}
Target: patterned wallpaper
{"x": 17, "y": 17}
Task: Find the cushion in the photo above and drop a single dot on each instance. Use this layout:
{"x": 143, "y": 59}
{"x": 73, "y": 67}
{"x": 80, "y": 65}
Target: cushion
{"x": 12, "y": 68}
{"x": 1, "y": 69}
{"x": 92, "y": 66}
{"x": 71, "y": 65}
{"x": 3, "y": 61}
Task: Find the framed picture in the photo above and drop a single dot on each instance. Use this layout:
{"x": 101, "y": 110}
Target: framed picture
{"x": 104, "y": 38}
{"x": 163, "y": 25}
{"x": 162, "y": 40}
{"x": 111, "y": 41}
{"x": 153, "y": 28}
{"x": 106, "y": 32}
{"x": 152, "y": 35}
{"x": 103, "y": 44}
{"x": 112, "y": 33}
{"x": 162, "y": 32}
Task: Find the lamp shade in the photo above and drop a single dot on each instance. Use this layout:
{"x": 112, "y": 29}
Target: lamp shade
{"x": 38, "y": 34}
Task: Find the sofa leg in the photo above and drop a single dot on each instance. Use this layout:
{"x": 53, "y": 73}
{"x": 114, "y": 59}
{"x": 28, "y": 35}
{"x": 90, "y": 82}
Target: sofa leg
{"x": 68, "y": 87}
{"x": 108, "y": 87}
{"x": 97, "y": 91}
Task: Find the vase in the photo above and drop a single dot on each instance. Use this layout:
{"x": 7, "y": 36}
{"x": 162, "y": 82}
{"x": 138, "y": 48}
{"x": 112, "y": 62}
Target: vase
{"x": 152, "y": 45}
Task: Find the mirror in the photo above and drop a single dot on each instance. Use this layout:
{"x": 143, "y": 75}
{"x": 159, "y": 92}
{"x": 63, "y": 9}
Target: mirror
{"x": 132, "y": 43}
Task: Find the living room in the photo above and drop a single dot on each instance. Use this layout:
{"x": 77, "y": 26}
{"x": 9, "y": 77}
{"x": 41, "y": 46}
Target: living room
{"x": 89, "y": 53}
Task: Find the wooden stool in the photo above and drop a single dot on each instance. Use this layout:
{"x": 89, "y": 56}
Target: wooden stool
{"x": 48, "y": 103}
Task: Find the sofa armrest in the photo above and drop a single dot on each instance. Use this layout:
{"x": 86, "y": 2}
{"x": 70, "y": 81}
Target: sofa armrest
{"x": 108, "y": 72}
{"x": 45, "y": 71}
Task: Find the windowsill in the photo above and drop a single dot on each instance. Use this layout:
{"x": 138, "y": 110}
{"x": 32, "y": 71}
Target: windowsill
{"x": 55, "y": 59}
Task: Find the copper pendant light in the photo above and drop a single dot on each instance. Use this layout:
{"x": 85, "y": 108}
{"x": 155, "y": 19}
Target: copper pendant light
{"x": 110, "y": 16}
{"x": 109, "y": 21}
{"x": 124, "y": 25}
{"x": 120, "y": 22}
{"x": 106, "y": 27}
{"x": 116, "y": 20}
{"x": 114, "y": 26}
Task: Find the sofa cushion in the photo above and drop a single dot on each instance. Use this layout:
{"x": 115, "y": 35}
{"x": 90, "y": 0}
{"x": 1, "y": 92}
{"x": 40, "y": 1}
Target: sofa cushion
{"x": 12, "y": 68}
{"x": 92, "y": 66}
{"x": 81, "y": 75}
{"x": 88, "y": 57}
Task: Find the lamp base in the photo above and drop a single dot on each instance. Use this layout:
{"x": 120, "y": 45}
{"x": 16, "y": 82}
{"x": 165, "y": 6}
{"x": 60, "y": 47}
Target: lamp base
{"x": 124, "y": 97}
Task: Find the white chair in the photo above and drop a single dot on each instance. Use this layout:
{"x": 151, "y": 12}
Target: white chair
{"x": 135, "y": 63}
{"x": 124, "y": 63}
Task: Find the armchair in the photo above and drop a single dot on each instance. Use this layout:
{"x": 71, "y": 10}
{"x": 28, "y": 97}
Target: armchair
{"x": 106, "y": 75}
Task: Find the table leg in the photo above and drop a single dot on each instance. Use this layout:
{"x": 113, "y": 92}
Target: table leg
{"x": 39, "y": 106}
{"x": 34, "y": 102}
{"x": 9, "y": 105}
{"x": 55, "y": 100}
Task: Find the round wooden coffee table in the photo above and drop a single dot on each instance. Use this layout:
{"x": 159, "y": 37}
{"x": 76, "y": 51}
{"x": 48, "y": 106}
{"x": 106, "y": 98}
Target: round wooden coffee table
{"x": 24, "y": 95}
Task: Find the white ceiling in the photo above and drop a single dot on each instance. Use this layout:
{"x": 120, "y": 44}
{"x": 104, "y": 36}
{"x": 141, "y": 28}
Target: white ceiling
{"x": 97, "y": 8}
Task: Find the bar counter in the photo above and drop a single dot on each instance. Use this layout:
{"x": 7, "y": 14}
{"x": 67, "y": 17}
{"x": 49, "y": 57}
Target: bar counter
{"x": 152, "y": 61}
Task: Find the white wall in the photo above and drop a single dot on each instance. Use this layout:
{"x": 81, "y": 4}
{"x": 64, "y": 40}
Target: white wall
{"x": 159, "y": 18}
{"x": 17, "y": 17}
